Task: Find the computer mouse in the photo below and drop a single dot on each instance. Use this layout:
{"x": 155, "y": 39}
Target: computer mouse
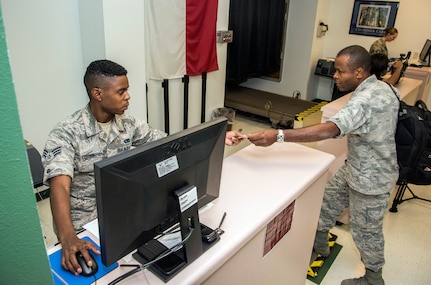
{"x": 86, "y": 270}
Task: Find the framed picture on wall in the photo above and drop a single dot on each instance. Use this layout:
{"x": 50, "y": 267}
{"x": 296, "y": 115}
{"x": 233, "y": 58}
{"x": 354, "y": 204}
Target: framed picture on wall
{"x": 371, "y": 18}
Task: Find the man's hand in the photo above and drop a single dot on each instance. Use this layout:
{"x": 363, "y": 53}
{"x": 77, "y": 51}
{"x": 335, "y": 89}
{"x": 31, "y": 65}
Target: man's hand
{"x": 72, "y": 244}
{"x": 234, "y": 138}
{"x": 397, "y": 64}
{"x": 60, "y": 207}
{"x": 263, "y": 137}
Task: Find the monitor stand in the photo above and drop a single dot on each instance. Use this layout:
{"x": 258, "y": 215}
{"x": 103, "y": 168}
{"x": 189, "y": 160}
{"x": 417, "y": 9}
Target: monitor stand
{"x": 192, "y": 248}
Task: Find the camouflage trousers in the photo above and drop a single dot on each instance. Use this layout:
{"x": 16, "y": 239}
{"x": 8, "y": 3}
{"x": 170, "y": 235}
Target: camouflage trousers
{"x": 366, "y": 218}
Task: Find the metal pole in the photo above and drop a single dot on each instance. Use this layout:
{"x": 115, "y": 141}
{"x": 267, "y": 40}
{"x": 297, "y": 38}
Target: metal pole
{"x": 165, "y": 85}
{"x": 186, "y": 80}
{"x": 204, "y": 91}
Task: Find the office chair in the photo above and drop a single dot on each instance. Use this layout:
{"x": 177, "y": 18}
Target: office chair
{"x": 36, "y": 166}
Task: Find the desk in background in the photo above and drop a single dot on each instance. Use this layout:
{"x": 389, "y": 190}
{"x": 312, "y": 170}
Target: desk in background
{"x": 423, "y": 74}
{"x": 257, "y": 185}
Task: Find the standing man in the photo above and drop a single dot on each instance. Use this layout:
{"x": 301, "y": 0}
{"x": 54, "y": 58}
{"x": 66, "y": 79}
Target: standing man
{"x": 99, "y": 130}
{"x": 365, "y": 181}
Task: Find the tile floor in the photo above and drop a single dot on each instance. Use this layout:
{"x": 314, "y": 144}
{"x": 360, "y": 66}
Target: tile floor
{"x": 406, "y": 233}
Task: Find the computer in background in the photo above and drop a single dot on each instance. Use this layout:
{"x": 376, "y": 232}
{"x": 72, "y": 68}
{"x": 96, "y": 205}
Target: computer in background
{"x": 424, "y": 56}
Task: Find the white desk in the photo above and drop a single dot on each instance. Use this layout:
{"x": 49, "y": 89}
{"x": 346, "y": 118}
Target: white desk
{"x": 423, "y": 74}
{"x": 257, "y": 184}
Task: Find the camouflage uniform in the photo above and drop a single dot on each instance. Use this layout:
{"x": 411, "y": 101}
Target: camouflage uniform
{"x": 365, "y": 181}
{"x": 77, "y": 142}
{"x": 379, "y": 46}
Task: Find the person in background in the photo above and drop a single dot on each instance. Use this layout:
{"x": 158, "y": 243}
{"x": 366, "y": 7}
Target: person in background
{"x": 101, "y": 129}
{"x": 370, "y": 172}
{"x": 379, "y": 46}
{"x": 379, "y": 67}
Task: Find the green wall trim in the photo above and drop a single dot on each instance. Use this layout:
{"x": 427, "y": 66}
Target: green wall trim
{"x": 23, "y": 255}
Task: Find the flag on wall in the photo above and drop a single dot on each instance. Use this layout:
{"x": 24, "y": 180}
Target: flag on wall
{"x": 182, "y": 37}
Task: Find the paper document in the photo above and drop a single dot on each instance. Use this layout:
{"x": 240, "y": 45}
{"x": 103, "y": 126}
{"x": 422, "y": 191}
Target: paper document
{"x": 93, "y": 227}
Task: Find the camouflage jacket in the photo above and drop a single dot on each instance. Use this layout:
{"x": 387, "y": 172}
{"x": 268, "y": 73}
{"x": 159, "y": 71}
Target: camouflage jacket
{"x": 379, "y": 46}
{"x": 369, "y": 120}
{"x": 77, "y": 142}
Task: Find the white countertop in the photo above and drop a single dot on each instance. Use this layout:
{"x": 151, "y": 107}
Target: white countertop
{"x": 257, "y": 184}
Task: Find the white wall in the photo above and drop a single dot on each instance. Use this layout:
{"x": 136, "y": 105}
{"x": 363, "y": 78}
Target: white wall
{"x": 46, "y": 62}
{"x": 51, "y": 43}
{"x": 125, "y": 43}
{"x": 412, "y": 22}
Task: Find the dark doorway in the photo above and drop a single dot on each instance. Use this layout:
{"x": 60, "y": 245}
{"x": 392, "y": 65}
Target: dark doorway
{"x": 257, "y": 49}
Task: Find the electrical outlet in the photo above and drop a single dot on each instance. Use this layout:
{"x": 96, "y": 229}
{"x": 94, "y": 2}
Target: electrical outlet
{"x": 224, "y": 36}
{"x": 296, "y": 94}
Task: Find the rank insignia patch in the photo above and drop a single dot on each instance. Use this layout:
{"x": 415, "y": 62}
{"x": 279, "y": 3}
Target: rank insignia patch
{"x": 50, "y": 154}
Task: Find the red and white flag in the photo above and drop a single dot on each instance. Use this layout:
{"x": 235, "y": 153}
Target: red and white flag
{"x": 182, "y": 37}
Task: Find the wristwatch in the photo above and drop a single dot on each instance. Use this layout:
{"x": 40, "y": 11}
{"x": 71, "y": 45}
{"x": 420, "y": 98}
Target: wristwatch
{"x": 280, "y": 136}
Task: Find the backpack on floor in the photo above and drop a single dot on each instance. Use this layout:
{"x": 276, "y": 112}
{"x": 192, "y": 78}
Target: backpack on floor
{"x": 413, "y": 142}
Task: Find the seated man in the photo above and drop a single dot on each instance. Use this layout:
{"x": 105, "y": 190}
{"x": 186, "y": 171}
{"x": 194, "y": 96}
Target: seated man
{"x": 101, "y": 129}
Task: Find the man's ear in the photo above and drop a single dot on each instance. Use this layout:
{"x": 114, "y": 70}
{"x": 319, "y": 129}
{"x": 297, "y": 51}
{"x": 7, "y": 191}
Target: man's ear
{"x": 96, "y": 94}
{"x": 359, "y": 72}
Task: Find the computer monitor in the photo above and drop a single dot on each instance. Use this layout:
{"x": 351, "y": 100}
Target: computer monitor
{"x": 425, "y": 53}
{"x": 135, "y": 190}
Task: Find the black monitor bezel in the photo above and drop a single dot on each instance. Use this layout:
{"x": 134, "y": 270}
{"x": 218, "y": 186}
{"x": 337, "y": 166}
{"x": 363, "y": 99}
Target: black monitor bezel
{"x": 219, "y": 124}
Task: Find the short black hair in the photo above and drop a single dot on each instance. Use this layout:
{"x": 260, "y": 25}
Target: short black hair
{"x": 379, "y": 64}
{"x": 98, "y": 71}
{"x": 358, "y": 57}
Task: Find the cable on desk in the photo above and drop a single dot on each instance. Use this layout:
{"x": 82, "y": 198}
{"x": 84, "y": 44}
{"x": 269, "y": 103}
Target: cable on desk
{"x": 125, "y": 275}
{"x": 144, "y": 266}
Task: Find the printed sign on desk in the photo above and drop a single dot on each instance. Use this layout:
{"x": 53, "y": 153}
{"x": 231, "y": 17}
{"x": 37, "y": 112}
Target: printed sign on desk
{"x": 278, "y": 227}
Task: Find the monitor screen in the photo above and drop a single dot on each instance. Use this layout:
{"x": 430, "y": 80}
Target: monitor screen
{"x": 135, "y": 189}
{"x": 425, "y": 51}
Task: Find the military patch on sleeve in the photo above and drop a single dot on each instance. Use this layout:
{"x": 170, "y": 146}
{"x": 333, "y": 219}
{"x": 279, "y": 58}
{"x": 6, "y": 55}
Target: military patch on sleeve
{"x": 50, "y": 154}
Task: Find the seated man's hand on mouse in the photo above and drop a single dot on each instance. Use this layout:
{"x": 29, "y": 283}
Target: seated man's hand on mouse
{"x": 89, "y": 266}
{"x": 70, "y": 246}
